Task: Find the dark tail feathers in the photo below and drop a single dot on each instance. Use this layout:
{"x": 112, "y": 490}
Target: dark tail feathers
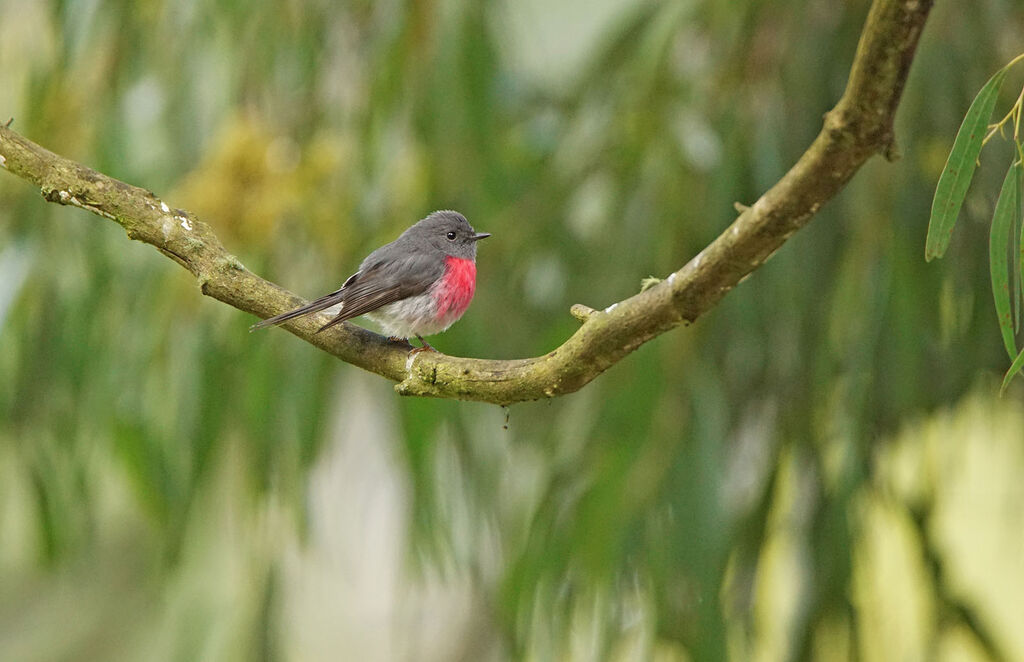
{"x": 323, "y": 302}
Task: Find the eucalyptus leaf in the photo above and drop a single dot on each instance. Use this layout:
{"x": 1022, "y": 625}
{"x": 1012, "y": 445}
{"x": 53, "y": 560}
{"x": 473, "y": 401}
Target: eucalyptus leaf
{"x": 999, "y": 237}
{"x": 963, "y": 159}
{"x": 1019, "y": 298}
{"x": 1015, "y": 367}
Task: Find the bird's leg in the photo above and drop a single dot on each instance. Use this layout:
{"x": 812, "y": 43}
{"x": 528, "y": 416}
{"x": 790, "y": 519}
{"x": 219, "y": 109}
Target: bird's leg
{"x": 426, "y": 346}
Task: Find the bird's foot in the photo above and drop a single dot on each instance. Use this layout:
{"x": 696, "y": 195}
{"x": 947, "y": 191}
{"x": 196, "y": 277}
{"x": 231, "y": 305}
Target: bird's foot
{"x": 412, "y": 348}
{"x": 426, "y": 346}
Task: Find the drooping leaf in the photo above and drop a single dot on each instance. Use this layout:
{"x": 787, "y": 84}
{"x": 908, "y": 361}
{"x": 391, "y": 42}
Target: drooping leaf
{"x": 1019, "y": 299}
{"x": 1015, "y": 250}
{"x": 999, "y": 237}
{"x": 1015, "y": 367}
{"x": 956, "y": 176}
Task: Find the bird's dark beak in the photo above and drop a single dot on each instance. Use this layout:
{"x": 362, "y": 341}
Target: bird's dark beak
{"x": 481, "y": 235}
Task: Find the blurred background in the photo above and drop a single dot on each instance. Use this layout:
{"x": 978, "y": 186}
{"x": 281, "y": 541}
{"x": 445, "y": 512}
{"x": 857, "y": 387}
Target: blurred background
{"x": 820, "y": 468}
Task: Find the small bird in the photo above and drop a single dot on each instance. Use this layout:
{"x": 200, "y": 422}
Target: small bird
{"x": 417, "y": 285}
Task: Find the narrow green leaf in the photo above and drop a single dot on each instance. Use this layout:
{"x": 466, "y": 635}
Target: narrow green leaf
{"x": 963, "y": 159}
{"x": 1015, "y": 250}
{"x": 998, "y": 242}
{"x": 1015, "y": 367}
{"x": 1019, "y": 301}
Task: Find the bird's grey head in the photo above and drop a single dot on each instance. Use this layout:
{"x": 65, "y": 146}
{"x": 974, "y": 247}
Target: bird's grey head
{"x": 447, "y": 231}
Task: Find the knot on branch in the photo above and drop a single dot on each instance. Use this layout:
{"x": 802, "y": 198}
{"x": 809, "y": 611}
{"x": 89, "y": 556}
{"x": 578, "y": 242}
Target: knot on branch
{"x": 419, "y": 380}
{"x": 581, "y": 312}
{"x": 59, "y": 195}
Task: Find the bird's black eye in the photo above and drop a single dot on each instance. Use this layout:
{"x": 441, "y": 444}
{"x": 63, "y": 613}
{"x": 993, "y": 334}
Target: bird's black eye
{"x": 451, "y": 236}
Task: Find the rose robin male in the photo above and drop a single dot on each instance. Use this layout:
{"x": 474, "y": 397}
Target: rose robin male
{"x": 417, "y": 285}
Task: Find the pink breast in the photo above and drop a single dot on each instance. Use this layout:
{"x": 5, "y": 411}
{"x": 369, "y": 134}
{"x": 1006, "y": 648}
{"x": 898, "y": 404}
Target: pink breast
{"x": 456, "y": 289}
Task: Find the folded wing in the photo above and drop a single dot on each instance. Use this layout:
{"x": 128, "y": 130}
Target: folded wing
{"x": 376, "y": 284}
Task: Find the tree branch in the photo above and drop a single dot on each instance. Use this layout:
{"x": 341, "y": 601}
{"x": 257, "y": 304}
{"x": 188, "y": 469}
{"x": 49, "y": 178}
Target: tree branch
{"x": 859, "y": 126}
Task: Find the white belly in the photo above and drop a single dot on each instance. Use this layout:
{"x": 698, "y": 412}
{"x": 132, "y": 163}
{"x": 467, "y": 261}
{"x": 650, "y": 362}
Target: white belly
{"x": 411, "y": 317}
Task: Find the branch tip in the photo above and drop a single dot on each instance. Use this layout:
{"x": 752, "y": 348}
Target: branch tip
{"x": 581, "y": 312}
{"x": 892, "y": 151}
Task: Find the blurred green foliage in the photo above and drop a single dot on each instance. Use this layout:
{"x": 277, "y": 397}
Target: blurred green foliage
{"x": 172, "y": 487}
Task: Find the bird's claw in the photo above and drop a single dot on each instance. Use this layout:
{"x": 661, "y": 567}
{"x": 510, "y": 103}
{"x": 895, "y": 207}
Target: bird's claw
{"x": 413, "y": 349}
{"x": 426, "y": 346}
